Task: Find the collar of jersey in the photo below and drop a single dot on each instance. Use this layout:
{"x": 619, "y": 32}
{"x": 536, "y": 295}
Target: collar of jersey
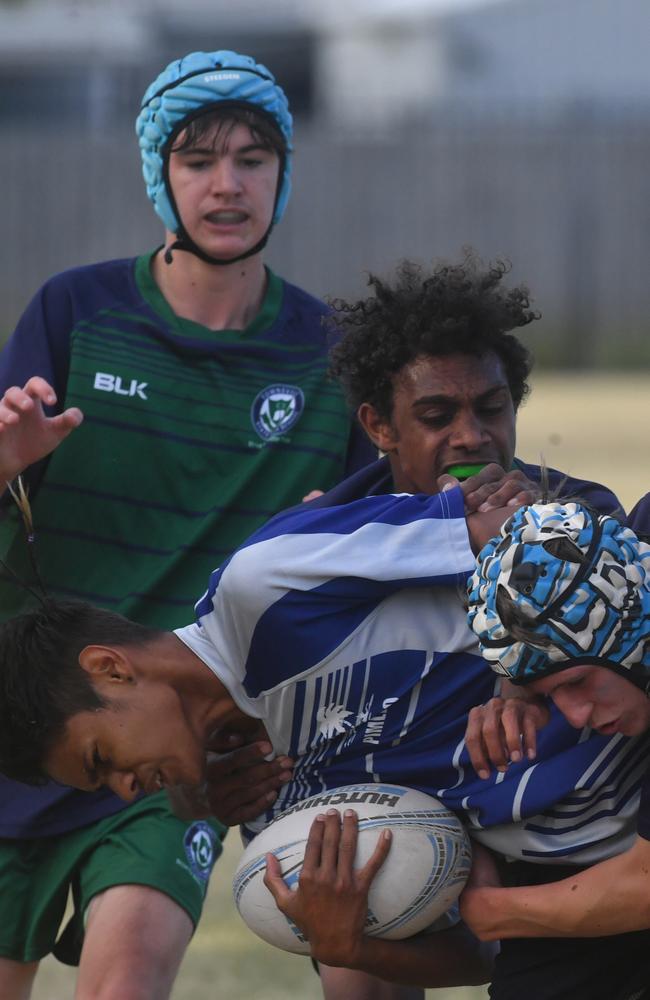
{"x": 152, "y": 295}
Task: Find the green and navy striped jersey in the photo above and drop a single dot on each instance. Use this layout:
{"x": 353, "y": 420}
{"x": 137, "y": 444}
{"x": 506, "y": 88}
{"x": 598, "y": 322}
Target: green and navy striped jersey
{"x": 192, "y": 438}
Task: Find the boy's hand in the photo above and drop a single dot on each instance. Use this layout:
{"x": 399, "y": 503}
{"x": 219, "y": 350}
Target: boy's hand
{"x": 242, "y": 784}
{"x": 330, "y": 904}
{"x": 494, "y": 487}
{"x": 504, "y": 731}
{"x": 26, "y": 433}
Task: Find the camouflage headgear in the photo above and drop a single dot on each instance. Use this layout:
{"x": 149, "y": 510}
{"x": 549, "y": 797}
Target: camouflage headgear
{"x": 562, "y": 586}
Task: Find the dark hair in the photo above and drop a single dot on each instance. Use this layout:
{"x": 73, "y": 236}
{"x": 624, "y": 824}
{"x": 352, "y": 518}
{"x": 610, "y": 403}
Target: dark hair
{"x": 456, "y": 309}
{"x": 41, "y": 682}
{"x": 222, "y": 121}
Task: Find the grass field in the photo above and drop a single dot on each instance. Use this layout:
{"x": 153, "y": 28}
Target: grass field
{"x": 591, "y": 426}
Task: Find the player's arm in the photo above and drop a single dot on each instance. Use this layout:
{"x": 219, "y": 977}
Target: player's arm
{"x": 27, "y": 434}
{"x": 612, "y": 897}
{"x": 330, "y": 907}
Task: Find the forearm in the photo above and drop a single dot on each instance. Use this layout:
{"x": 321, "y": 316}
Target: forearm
{"x": 444, "y": 959}
{"x": 610, "y": 898}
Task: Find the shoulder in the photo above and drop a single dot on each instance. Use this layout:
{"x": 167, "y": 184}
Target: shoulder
{"x": 79, "y": 290}
{"x": 639, "y": 517}
{"x": 371, "y": 480}
{"x": 299, "y": 299}
{"x": 595, "y": 494}
{"x": 102, "y": 272}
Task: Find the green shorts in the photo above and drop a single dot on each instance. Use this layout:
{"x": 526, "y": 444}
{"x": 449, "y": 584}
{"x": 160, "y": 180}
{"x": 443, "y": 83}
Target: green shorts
{"x": 144, "y": 844}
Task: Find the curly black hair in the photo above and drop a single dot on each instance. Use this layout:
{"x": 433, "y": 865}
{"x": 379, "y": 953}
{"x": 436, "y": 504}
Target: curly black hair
{"x": 456, "y": 309}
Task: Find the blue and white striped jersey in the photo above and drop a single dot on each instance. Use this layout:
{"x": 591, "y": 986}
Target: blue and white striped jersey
{"x": 344, "y": 629}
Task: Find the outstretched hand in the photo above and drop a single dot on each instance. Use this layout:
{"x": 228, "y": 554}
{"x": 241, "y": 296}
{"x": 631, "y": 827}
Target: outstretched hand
{"x": 26, "y": 433}
{"x": 330, "y": 904}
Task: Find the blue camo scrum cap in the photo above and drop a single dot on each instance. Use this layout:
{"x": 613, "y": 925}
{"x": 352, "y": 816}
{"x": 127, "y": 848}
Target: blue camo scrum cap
{"x": 195, "y": 84}
{"x": 559, "y": 587}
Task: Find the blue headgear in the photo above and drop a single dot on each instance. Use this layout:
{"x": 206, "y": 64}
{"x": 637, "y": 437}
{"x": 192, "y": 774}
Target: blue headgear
{"x": 190, "y": 87}
{"x": 562, "y": 586}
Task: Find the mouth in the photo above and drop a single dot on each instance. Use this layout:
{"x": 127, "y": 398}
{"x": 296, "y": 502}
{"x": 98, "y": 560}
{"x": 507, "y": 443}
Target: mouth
{"x": 154, "y": 783}
{"x": 226, "y": 217}
{"x": 609, "y": 728}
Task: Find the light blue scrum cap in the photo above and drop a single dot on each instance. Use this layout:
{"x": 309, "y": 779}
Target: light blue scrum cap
{"x": 559, "y": 587}
{"x": 191, "y": 86}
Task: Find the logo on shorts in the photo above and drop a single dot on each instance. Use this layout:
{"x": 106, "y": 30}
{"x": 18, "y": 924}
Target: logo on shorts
{"x": 276, "y": 409}
{"x": 199, "y": 844}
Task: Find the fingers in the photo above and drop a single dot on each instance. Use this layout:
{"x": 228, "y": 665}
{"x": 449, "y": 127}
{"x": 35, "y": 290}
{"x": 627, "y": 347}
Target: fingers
{"x": 475, "y": 488}
{"x": 65, "y": 422}
{"x": 332, "y": 847}
{"x": 314, "y": 846}
{"x": 514, "y": 490}
{"x": 503, "y": 732}
{"x": 242, "y": 784}
{"x": 19, "y": 400}
{"x": 377, "y": 857}
{"x": 476, "y": 749}
{"x": 493, "y": 487}
{"x": 276, "y": 885}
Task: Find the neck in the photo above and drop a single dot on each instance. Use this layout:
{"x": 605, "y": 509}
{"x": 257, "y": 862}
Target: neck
{"x": 205, "y": 698}
{"x": 221, "y": 298}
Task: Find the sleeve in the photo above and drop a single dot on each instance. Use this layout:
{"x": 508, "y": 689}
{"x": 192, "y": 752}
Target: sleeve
{"x": 40, "y": 345}
{"x": 317, "y": 575}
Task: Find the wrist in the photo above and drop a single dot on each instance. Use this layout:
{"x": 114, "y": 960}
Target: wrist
{"x": 350, "y": 954}
{"x": 481, "y": 908}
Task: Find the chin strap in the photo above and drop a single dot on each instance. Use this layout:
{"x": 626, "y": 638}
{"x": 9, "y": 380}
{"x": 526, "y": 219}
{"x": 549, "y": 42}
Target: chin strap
{"x": 185, "y": 242}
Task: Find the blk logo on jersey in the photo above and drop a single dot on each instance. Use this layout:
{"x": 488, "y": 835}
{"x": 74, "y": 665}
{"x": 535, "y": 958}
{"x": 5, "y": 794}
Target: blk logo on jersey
{"x": 276, "y": 409}
{"x": 113, "y": 383}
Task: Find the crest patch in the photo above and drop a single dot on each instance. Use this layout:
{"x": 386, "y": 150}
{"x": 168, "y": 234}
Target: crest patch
{"x": 276, "y": 409}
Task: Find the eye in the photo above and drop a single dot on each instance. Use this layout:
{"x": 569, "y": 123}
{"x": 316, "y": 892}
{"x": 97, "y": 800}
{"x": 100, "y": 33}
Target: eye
{"x": 491, "y": 411}
{"x": 436, "y": 420}
{"x": 198, "y": 165}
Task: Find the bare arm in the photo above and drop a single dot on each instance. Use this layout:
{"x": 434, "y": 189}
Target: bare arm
{"x": 26, "y": 433}
{"x": 612, "y": 897}
{"x": 330, "y": 907}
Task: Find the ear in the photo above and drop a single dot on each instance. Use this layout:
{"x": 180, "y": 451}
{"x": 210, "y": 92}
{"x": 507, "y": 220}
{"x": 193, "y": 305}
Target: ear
{"x": 379, "y": 430}
{"x": 107, "y": 664}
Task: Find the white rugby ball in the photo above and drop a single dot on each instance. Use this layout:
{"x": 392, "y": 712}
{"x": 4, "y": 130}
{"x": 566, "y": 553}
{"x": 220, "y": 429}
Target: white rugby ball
{"x": 426, "y": 868}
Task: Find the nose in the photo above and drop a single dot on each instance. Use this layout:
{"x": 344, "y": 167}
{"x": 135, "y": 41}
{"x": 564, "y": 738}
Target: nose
{"x": 124, "y": 784}
{"x": 468, "y": 432}
{"x": 225, "y": 177}
{"x": 575, "y": 709}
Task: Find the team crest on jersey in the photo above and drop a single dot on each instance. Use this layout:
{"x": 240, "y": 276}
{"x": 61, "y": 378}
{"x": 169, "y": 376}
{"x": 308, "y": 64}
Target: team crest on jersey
{"x": 199, "y": 844}
{"x": 276, "y": 409}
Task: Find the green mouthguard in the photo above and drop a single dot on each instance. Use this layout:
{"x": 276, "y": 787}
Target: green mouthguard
{"x": 464, "y": 471}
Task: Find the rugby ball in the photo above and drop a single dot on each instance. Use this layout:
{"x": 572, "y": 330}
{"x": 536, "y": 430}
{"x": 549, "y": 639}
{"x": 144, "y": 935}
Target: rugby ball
{"x": 426, "y": 868}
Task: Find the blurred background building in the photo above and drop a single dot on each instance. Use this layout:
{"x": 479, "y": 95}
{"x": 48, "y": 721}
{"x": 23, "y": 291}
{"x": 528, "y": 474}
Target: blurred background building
{"x": 521, "y": 127}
